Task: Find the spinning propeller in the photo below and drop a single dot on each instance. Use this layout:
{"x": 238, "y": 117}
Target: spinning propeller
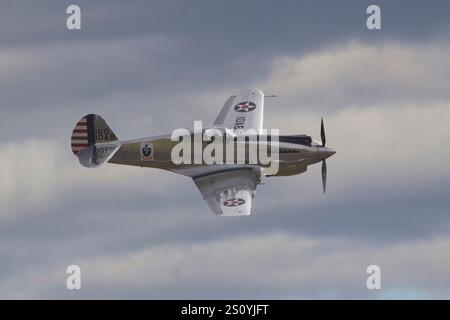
{"x": 324, "y": 162}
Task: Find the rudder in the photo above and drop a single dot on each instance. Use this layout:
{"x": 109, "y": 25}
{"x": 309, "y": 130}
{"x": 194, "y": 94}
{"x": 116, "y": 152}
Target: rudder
{"x": 90, "y": 130}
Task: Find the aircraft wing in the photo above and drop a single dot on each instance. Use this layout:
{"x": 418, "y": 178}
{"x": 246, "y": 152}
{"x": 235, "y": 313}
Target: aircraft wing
{"x": 231, "y": 192}
{"x": 243, "y": 111}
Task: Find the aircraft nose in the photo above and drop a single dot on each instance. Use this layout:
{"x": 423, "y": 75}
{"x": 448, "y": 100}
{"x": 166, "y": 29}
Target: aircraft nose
{"x": 326, "y": 152}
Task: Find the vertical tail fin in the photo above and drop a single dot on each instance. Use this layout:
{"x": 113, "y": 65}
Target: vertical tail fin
{"x": 90, "y": 131}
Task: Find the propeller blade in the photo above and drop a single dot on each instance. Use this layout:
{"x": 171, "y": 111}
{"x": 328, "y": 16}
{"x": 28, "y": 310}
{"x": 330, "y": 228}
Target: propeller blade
{"x": 322, "y": 133}
{"x": 324, "y": 176}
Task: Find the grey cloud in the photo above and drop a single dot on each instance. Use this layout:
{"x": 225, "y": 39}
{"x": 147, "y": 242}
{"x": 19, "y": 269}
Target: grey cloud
{"x": 148, "y": 67}
{"x": 243, "y": 267}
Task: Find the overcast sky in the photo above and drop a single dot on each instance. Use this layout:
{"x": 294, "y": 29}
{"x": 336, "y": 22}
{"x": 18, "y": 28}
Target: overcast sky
{"x": 151, "y": 66}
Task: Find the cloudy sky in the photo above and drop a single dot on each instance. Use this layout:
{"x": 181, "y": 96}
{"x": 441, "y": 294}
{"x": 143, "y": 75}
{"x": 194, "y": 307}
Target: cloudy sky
{"x": 150, "y": 66}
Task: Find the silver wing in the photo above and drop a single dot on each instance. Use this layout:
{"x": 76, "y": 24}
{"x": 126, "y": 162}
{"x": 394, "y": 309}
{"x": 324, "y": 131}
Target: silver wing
{"x": 243, "y": 111}
{"x": 231, "y": 192}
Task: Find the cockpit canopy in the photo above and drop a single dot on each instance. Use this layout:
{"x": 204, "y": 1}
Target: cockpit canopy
{"x": 297, "y": 139}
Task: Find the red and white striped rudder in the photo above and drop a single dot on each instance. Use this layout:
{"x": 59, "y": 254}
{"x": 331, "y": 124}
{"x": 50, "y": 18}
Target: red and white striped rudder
{"x": 91, "y": 129}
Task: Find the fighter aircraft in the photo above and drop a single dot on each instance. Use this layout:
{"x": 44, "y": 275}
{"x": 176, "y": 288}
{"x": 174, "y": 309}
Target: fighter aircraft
{"x": 228, "y": 189}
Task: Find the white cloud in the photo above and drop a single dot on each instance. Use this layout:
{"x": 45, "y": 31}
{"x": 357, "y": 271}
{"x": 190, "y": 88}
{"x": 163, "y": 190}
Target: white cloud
{"x": 35, "y": 173}
{"x": 357, "y": 74}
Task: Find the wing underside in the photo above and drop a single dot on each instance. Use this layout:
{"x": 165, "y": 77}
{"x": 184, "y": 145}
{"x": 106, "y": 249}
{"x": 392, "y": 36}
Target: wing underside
{"x": 229, "y": 193}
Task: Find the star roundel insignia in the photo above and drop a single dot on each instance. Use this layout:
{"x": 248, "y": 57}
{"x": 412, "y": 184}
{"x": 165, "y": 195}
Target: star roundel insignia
{"x": 245, "y": 106}
{"x": 234, "y": 202}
